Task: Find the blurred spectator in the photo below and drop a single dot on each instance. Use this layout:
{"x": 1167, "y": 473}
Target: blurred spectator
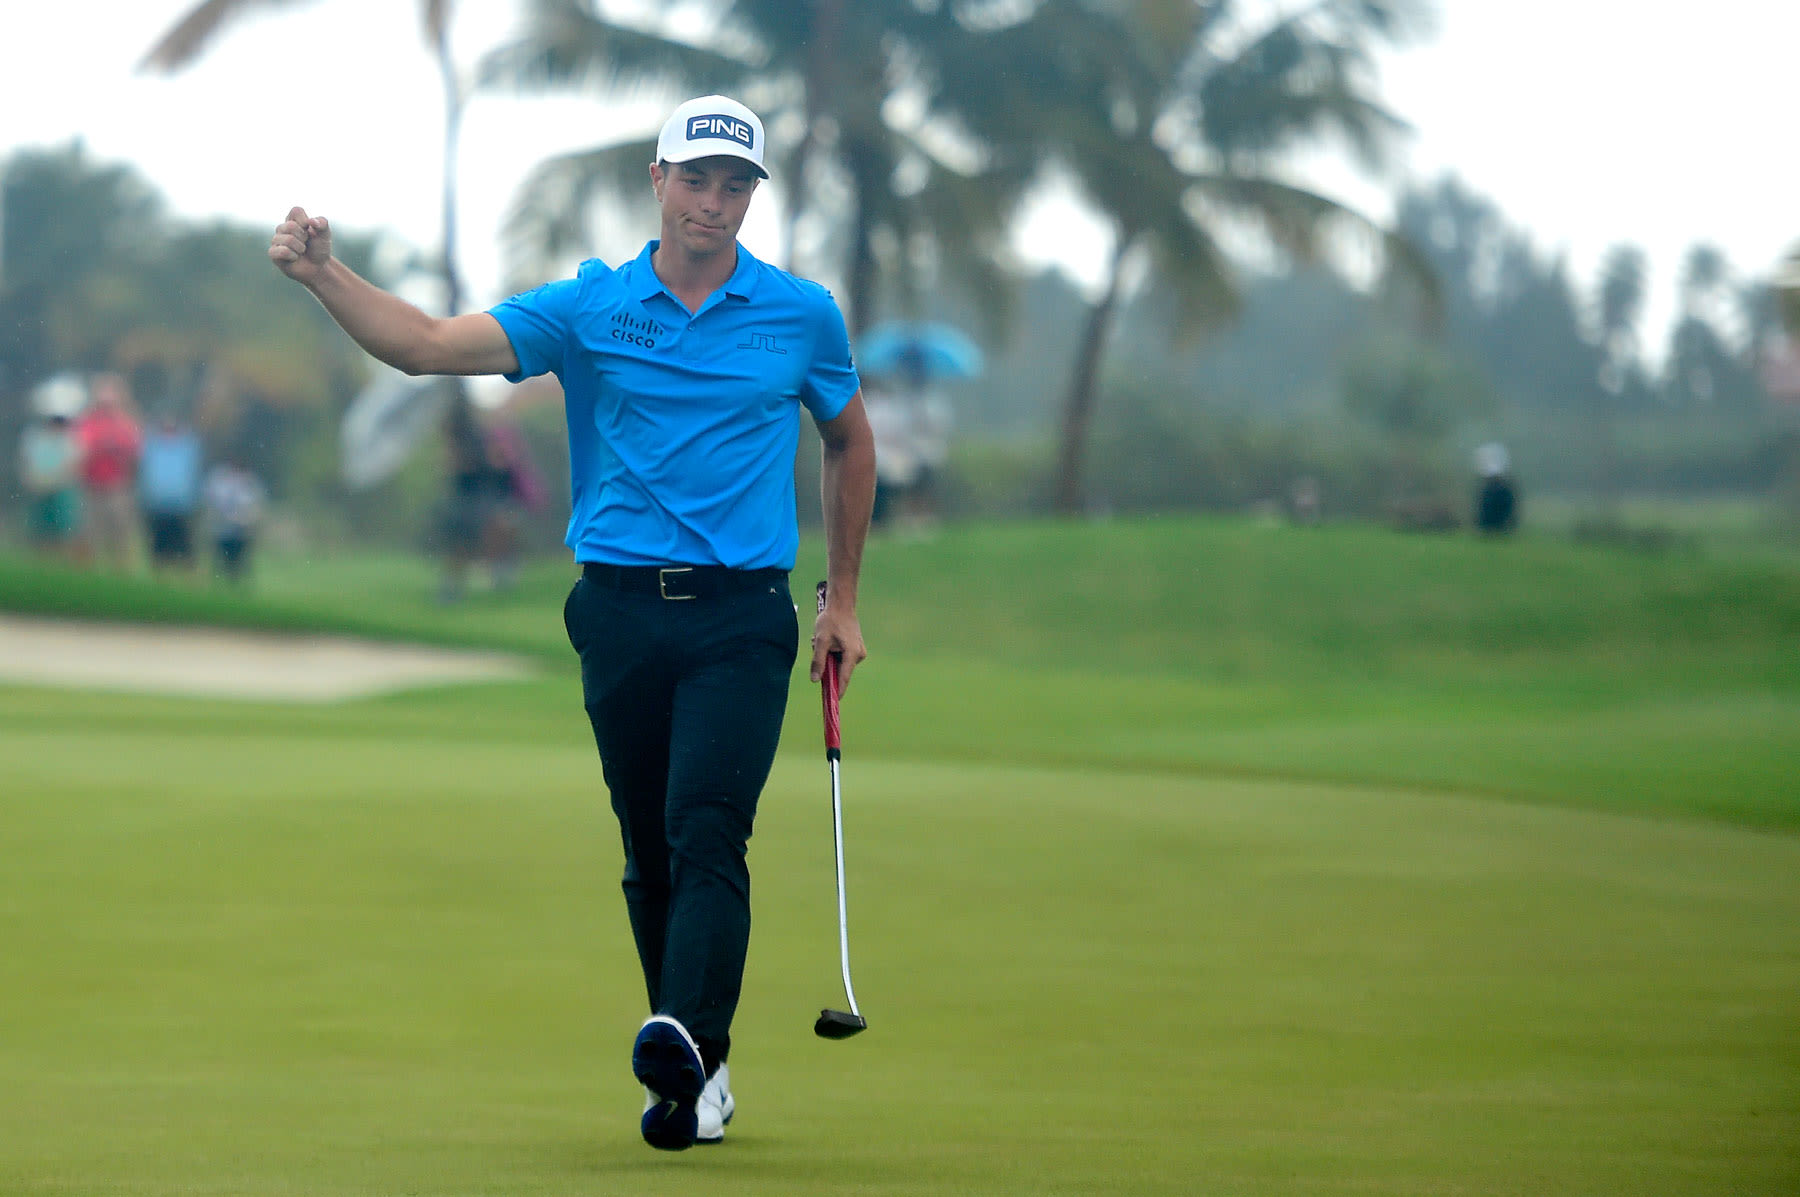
{"x": 1303, "y": 500}
{"x": 896, "y": 464}
{"x": 169, "y": 489}
{"x": 490, "y": 493}
{"x": 1497, "y": 496}
{"x": 473, "y": 486}
{"x": 234, "y": 504}
{"x": 911, "y": 421}
{"x": 518, "y": 491}
{"x": 110, "y": 443}
{"x": 50, "y": 469}
{"x": 931, "y": 421}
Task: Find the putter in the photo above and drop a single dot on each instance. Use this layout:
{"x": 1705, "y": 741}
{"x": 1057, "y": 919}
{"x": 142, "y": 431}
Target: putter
{"x": 837, "y": 1024}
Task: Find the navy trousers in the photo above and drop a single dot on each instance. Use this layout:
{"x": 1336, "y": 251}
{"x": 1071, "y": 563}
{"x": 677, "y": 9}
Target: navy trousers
{"x": 686, "y": 698}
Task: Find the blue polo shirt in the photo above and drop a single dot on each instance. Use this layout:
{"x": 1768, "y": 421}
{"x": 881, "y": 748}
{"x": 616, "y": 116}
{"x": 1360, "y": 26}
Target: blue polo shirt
{"x": 683, "y": 425}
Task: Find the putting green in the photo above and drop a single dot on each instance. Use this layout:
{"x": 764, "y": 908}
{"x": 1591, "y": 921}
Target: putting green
{"x": 311, "y": 959}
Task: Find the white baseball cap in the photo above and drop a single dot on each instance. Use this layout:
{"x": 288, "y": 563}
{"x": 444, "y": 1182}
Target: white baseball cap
{"x": 709, "y": 126}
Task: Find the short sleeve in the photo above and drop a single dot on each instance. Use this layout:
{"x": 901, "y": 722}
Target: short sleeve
{"x": 537, "y": 323}
{"x": 831, "y": 380}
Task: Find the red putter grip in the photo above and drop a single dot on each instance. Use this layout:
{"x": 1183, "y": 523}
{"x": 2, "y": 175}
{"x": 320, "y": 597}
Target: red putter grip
{"x": 833, "y": 739}
{"x": 828, "y": 693}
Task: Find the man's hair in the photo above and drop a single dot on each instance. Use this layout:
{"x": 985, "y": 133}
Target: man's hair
{"x": 664, "y": 165}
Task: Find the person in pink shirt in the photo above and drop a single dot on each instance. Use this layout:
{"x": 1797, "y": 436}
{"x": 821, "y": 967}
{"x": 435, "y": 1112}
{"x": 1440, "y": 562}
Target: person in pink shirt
{"x": 111, "y": 443}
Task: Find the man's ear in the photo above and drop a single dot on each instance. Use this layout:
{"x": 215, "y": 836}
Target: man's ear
{"x": 657, "y": 178}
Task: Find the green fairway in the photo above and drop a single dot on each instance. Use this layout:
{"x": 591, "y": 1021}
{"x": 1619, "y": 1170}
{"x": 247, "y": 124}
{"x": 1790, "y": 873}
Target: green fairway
{"x": 1369, "y": 865}
{"x": 329, "y": 964}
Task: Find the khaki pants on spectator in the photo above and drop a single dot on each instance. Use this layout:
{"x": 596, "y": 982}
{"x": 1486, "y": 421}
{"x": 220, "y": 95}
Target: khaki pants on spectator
{"x": 112, "y": 520}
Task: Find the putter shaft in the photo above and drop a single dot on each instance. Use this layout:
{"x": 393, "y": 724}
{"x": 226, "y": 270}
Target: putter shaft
{"x": 837, "y": 830}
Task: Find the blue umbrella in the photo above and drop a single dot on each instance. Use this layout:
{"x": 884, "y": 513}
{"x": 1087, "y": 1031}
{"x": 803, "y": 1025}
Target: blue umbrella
{"x": 923, "y": 350}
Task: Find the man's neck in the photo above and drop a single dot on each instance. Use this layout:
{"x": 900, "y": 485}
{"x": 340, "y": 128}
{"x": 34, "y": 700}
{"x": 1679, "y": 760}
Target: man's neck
{"x": 692, "y": 279}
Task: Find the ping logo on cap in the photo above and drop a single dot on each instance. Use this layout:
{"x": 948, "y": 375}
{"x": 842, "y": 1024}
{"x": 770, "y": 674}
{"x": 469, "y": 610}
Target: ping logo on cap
{"x": 727, "y": 127}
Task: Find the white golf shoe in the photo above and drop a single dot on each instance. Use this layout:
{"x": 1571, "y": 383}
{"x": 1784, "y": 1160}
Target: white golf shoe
{"x": 715, "y": 1107}
{"x": 712, "y": 1110}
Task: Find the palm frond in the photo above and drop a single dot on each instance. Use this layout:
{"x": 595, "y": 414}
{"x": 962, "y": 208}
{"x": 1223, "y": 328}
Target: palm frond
{"x": 1393, "y": 20}
{"x": 1200, "y": 276}
{"x": 1290, "y": 84}
{"x": 181, "y": 45}
{"x": 550, "y": 212}
{"x": 565, "y": 44}
{"x": 1308, "y": 227}
{"x": 965, "y": 220}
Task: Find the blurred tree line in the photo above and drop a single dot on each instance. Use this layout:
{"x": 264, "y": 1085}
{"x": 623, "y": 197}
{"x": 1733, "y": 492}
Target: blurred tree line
{"x": 97, "y": 276}
{"x": 1318, "y": 378}
{"x": 1247, "y": 333}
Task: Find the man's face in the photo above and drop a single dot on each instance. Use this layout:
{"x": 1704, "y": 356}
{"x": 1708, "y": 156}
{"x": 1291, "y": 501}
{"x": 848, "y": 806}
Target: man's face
{"x": 704, "y": 201}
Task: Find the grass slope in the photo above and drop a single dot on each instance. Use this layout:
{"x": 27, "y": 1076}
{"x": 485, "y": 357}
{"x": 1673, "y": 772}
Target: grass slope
{"x": 1533, "y": 669}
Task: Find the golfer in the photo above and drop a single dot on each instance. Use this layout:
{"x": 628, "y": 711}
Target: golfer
{"x": 684, "y": 372}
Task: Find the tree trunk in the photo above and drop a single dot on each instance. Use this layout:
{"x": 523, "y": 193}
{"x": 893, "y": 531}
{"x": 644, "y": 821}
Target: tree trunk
{"x": 1078, "y": 406}
{"x": 821, "y": 91}
{"x": 793, "y": 189}
{"x": 464, "y": 431}
{"x": 859, "y": 287}
{"x": 453, "y": 106}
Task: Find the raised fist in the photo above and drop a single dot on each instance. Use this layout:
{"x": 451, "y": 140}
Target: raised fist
{"x": 301, "y": 245}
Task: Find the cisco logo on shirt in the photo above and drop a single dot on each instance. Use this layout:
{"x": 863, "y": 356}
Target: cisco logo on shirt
{"x": 729, "y": 128}
{"x": 636, "y": 330}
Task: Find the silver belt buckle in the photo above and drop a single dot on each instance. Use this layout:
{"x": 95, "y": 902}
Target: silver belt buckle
{"x": 662, "y": 583}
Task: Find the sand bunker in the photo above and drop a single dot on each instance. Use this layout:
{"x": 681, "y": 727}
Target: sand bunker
{"x": 230, "y": 664}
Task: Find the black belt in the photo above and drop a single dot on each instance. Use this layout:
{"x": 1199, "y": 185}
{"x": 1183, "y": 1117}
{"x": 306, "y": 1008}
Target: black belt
{"x": 675, "y": 582}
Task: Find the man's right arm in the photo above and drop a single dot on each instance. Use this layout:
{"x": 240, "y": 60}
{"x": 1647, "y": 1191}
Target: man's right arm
{"x": 385, "y": 325}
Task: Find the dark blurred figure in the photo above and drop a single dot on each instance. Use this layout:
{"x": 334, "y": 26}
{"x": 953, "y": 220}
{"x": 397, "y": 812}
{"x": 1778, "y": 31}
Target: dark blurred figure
{"x": 1497, "y": 495}
{"x": 912, "y": 422}
{"x": 896, "y": 464}
{"x": 493, "y": 484}
{"x": 1304, "y": 503}
{"x": 111, "y": 445}
{"x": 169, "y": 490}
{"x": 234, "y": 507}
{"x": 929, "y": 425}
{"x": 518, "y": 491}
{"x": 472, "y": 485}
{"x": 50, "y": 470}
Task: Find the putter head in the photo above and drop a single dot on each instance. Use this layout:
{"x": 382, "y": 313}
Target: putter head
{"x": 836, "y": 1024}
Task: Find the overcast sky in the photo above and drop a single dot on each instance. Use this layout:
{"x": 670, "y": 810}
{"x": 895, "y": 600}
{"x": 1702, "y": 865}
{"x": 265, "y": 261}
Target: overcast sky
{"x": 1589, "y": 122}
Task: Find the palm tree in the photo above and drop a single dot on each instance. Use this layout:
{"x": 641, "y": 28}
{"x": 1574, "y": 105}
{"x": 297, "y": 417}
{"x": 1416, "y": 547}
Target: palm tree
{"x": 1703, "y": 272}
{"x": 1786, "y": 285}
{"x": 825, "y": 75}
{"x": 1623, "y": 275}
{"x": 1171, "y": 115}
{"x": 190, "y": 37}
{"x": 1622, "y": 279}
{"x": 1704, "y": 366}
{"x": 1165, "y": 111}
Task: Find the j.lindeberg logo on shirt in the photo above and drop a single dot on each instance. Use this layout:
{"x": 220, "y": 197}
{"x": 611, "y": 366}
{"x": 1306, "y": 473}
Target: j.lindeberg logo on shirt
{"x": 636, "y": 330}
{"x": 763, "y": 341}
